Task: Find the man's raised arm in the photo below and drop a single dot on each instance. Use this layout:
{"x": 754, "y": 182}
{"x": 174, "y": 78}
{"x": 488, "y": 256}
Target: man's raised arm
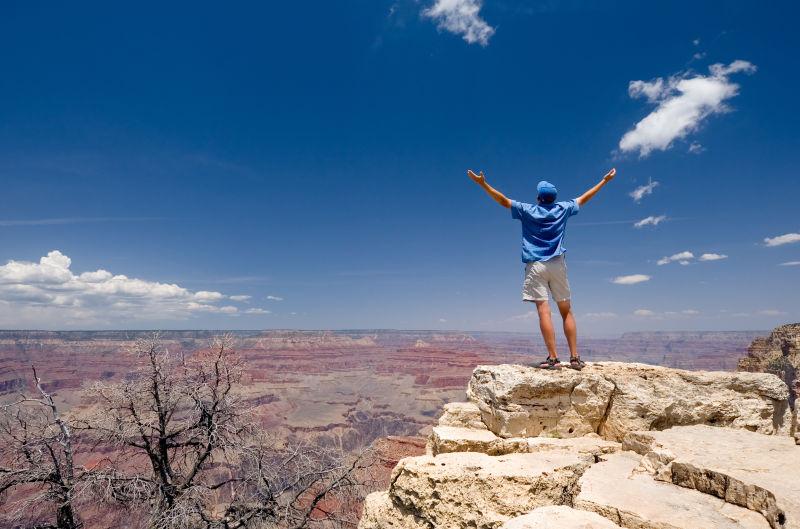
{"x": 499, "y": 197}
{"x": 584, "y": 198}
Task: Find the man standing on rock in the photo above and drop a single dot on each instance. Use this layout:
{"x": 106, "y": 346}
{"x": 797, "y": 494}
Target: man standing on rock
{"x": 543, "y": 226}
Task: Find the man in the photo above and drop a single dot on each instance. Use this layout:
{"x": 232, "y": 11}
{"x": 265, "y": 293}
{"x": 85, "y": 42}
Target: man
{"x": 543, "y": 226}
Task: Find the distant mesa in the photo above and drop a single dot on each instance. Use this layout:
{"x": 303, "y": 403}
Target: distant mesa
{"x": 311, "y": 339}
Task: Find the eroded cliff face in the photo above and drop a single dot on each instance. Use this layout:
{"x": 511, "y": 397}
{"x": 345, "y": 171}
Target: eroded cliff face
{"x": 779, "y": 354}
{"x": 616, "y": 445}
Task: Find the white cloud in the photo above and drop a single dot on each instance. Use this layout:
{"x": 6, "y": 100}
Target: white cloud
{"x": 442, "y": 320}
{"x": 771, "y": 312}
{"x": 241, "y": 297}
{"x": 683, "y": 102}
{"x": 787, "y": 238}
{"x": 257, "y": 311}
{"x": 712, "y": 257}
{"x": 530, "y": 315}
{"x": 682, "y": 257}
{"x": 631, "y": 279}
{"x": 790, "y": 263}
{"x": 642, "y": 191}
{"x": 696, "y": 148}
{"x": 205, "y": 296}
{"x": 274, "y": 298}
{"x": 212, "y": 309}
{"x": 601, "y": 315}
{"x": 650, "y": 221}
{"x": 461, "y": 17}
{"x": 49, "y": 294}
{"x": 647, "y": 313}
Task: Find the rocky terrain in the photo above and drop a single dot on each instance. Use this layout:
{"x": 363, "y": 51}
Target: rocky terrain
{"x": 779, "y": 354}
{"x": 616, "y": 445}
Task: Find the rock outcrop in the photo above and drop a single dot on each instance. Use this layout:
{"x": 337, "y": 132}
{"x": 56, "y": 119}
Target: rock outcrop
{"x": 779, "y": 354}
{"x": 612, "y": 399}
{"x": 613, "y": 489}
{"x": 462, "y": 415}
{"x": 755, "y": 471}
{"x": 471, "y": 489}
{"x": 614, "y": 446}
{"x": 447, "y": 439}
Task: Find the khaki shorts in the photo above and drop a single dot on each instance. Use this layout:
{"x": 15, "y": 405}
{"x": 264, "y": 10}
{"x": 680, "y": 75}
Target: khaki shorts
{"x": 542, "y": 277}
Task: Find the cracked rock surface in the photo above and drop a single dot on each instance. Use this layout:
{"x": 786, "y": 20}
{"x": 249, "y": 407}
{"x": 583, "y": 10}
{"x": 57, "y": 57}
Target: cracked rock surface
{"x": 755, "y": 471}
{"x": 614, "y": 398}
{"x": 472, "y": 489}
{"x": 613, "y": 489}
{"x": 540, "y": 449}
{"x": 380, "y": 512}
{"x": 446, "y": 439}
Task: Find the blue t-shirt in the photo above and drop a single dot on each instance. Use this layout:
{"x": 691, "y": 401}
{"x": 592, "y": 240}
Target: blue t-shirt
{"x": 543, "y": 228}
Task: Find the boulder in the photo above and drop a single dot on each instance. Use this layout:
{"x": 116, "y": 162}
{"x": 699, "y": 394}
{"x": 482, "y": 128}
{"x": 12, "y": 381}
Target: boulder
{"x": 612, "y": 488}
{"x": 462, "y": 415}
{"x": 614, "y": 398}
{"x": 448, "y": 439}
{"x": 474, "y": 490}
{"x": 559, "y": 517}
{"x": 759, "y": 472}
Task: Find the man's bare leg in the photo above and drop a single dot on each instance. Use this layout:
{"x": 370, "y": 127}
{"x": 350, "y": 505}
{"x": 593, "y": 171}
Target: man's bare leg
{"x": 546, "y": 326}
{"x": 570, "y": 328}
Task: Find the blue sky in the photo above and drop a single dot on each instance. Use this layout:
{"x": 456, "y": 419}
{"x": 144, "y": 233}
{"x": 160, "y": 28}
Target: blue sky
{"x": 295, "y": 164}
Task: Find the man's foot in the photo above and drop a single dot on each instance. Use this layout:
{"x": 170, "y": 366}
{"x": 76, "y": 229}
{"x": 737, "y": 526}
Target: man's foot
{"x": 550, "y": 363}
{"x": 576, "y": 363}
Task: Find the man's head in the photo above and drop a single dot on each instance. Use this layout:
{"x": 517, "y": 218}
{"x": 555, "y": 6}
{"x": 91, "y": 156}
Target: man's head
{"x": 546, "y": 192}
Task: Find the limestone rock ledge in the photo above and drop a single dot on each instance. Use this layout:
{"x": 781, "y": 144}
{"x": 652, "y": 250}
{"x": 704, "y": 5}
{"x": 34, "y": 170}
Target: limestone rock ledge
{"x": 447, "y": 439}
{"x": 471, "y": 489}
{"x": 613, "y": 489}
{"x": 614, "y": 398}
{"x": 540, "y": 449}
{"x": 759, "y": 472}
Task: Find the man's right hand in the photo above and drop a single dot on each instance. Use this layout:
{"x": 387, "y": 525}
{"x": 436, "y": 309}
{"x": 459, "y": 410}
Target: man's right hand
{"x": 477, "y": 178}
{"x": 610, "y": 175}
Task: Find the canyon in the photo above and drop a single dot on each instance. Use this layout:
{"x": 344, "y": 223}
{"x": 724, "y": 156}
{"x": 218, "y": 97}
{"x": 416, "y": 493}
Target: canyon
{"x": 386, "y": 388}
{"x": 354, "y": 386}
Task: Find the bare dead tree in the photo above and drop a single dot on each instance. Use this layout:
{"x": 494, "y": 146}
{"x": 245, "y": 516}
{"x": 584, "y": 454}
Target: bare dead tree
{"x": 37, "y": 462}
{"x": 191, "y": 452}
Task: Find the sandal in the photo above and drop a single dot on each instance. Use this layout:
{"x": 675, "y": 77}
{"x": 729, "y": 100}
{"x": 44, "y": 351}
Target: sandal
{"x": 550, "y": 363}
{"x": 576, "y": 363}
